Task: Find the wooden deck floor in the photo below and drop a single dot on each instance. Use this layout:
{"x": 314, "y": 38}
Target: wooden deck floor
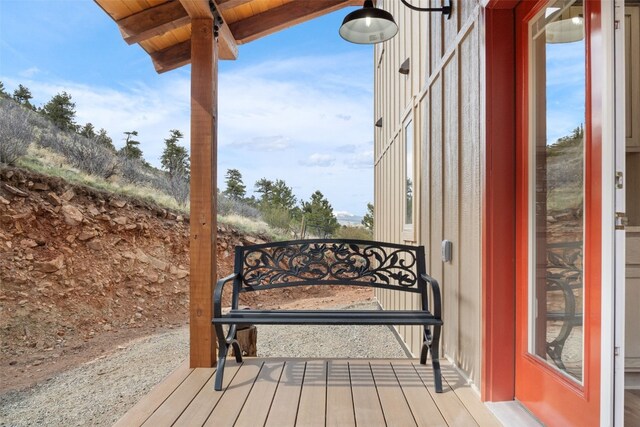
{"x": 311, "y": 392}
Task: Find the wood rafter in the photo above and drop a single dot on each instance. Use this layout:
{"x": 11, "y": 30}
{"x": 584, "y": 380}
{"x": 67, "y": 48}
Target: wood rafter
{"x": 227, "y": 43}
{"x": 153, "y": 22}
{"x": 172, "y": 57}
{"x": 284, "y": 16}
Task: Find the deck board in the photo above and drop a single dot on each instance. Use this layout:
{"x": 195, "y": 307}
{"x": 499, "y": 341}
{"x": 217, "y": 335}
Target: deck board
{"x": 339, "y": 399}
{"x": 449, "y": 405}
{"x": 235, "y": 395}
{"x": 333, "y": 392}
{"x": 366, "y": 403}
{"x": 201, "y": 407}
{"x": 284, "y": 407}
{"x": 174, "y": 405}
{"x": 311, "y": 410}
{"x": 392, "y": 398}
{"x": 424, "y": 409}
{"x": 142, "y": 410}
{"x": 255, "y": 411}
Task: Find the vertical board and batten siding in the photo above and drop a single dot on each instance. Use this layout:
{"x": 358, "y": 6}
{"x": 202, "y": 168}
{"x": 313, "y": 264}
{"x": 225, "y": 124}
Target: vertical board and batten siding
{"x": 442, "y": 94}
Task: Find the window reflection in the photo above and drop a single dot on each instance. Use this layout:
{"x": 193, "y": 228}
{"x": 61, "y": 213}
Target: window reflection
{"x": 408, "y": 138}
{"x": 558, "y": 115}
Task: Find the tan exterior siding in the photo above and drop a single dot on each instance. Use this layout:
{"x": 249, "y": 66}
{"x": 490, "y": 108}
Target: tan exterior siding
{"x": 442, "y": 96}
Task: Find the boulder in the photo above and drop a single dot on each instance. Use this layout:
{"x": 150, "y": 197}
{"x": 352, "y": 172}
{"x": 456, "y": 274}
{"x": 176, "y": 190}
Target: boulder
{"x": 72, "y": 215}
{"x": 50, "y": 266}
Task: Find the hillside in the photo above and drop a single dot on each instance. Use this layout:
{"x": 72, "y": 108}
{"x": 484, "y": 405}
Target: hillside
{"x": 82, "y": 269}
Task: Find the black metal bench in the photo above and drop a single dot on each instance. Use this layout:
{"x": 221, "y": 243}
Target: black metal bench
{"x": 329, "y": 262}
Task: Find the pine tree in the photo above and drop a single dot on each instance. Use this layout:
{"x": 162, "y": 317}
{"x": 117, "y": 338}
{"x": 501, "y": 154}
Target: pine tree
{"x": 105, "y": 140}
{"x": 319, "y": 216}
{"x": 61, "y": 111}
{"x": 88, "y": 131}
{"x": 235, "y": 187}
{"x": 3, "y": 92}
{"x": 23, "y": 96}
{"x": 367, "y": 221}
{"x": 264, "y": 187}
{"x": 130, "y": 149}
{"x": 175, "y": 159}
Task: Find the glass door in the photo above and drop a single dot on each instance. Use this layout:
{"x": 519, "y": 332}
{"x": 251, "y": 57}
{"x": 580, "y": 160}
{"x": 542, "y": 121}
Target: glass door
{"x": 557, "y": 365}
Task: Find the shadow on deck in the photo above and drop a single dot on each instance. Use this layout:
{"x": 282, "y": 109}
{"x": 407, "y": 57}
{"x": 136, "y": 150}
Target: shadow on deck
{"x": 309, "y": 392}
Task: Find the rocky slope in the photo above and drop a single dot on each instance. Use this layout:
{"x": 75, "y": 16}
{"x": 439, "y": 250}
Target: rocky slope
{"x": 82, "y": 270}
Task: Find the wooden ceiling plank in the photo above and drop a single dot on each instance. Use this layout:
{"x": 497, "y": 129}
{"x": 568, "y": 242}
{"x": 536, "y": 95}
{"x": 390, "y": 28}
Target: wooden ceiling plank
{"x": 224, "y": 5}
{"x": 282, "y": 17}
{"x": 227, "y": 43}
{"x": 153, "y": 22}
{"x": 172, "y": 57}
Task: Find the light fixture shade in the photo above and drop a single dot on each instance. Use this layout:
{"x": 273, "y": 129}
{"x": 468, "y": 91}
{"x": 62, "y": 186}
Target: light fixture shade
{"x": 565, "y": 31}
{"x": 368, "y": 25}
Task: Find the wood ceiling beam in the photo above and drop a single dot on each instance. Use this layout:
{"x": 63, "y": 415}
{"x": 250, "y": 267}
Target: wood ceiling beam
{"x": 153, "y": 22}
{"x": 172, "y": 57}
{"x": 227, "y": 43}
{"x": 230, "y": 4}
{"x": 284, "y": 16}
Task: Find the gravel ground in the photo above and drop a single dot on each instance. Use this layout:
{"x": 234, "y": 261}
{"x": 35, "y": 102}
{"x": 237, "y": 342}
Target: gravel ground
{"x": 100, "y": 392}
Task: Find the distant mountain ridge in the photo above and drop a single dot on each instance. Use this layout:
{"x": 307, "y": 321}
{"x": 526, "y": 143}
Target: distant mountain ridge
{"x": 346, "y": 218}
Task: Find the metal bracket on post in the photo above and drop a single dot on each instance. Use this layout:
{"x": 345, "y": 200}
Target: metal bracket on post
{"x": 217, "y": 20}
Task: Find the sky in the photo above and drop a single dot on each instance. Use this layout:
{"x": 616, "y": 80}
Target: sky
{"x": 296, "y": 105}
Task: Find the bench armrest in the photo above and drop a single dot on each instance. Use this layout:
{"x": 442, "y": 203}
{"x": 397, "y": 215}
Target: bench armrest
{"x": 217, "y": 294}
{"x": 437, "y": 298}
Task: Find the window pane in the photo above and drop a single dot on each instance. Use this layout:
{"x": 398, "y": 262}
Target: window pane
{"x": 558, "y": 116}
{"x": 408, "y": 139}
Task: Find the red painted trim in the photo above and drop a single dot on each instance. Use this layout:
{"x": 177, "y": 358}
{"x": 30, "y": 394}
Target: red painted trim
{"x": 553, "y": 398}
{"x": 501, "y": 4}
{"x": 498, "y": 227}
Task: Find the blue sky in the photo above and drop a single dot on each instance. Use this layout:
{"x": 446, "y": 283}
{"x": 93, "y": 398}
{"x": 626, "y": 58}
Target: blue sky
{"x": 296, "y": 105}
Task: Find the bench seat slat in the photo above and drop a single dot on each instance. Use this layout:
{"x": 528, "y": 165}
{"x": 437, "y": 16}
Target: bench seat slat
{"x": 322, "y": 317}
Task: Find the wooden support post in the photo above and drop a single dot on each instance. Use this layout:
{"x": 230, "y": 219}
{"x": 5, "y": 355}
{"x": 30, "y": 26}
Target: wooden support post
{"x": 203, "y": 224}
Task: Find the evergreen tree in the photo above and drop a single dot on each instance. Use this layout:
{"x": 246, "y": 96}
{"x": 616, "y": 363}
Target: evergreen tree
{"x": 130, "y": 149}
{"x": 275, "y": 195}
{"x": 319, "y": 216}
{"x": 367, "y": 221}
{"x": 88, "y": 131}
{"x": 61, "y": 111}
{"x": 175, "y": 159}
{"x": 23, "y": 96}
{"x": 235, "y": 187}
{"x": 3, "y": 92}
{"x": 282, "y": 196}
{"x": 103, "y": 139}
{"x": 264, "y": 187}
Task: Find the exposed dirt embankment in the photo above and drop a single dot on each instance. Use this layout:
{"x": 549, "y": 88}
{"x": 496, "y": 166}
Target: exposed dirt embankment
{"x": 81, "y": 270}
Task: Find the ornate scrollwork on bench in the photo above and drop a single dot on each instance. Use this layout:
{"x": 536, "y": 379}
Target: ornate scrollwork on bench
{"x": 348, "y": 262}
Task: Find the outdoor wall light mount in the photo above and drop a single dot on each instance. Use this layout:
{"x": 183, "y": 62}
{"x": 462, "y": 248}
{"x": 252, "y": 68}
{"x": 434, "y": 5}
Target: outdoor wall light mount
{"x": 371, "y": 25}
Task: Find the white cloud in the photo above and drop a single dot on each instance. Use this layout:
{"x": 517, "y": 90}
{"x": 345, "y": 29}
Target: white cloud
{"x": 319, "y": 160}
{"x": 30, "y": 72}
{"x": 266, "y": 143}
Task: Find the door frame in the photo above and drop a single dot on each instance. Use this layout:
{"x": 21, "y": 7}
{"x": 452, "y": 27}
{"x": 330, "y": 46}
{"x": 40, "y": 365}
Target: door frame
{"x": 615, "y": 42}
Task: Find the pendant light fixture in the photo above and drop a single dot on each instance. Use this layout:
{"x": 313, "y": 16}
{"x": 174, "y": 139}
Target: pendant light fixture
{"x": 371, "y": 25}
{"x": 368, "y": 25}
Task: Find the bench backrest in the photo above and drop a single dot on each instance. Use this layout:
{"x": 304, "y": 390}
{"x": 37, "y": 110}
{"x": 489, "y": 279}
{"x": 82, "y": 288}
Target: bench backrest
{"x": 330, "y": 261}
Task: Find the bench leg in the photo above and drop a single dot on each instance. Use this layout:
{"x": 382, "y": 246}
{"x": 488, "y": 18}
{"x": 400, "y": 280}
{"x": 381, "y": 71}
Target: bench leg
{"x": 223, "y": 350}
{"x": 432, "y": 344}
{"x": 223, "y": 347}
{"x": 435, "y": 360}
